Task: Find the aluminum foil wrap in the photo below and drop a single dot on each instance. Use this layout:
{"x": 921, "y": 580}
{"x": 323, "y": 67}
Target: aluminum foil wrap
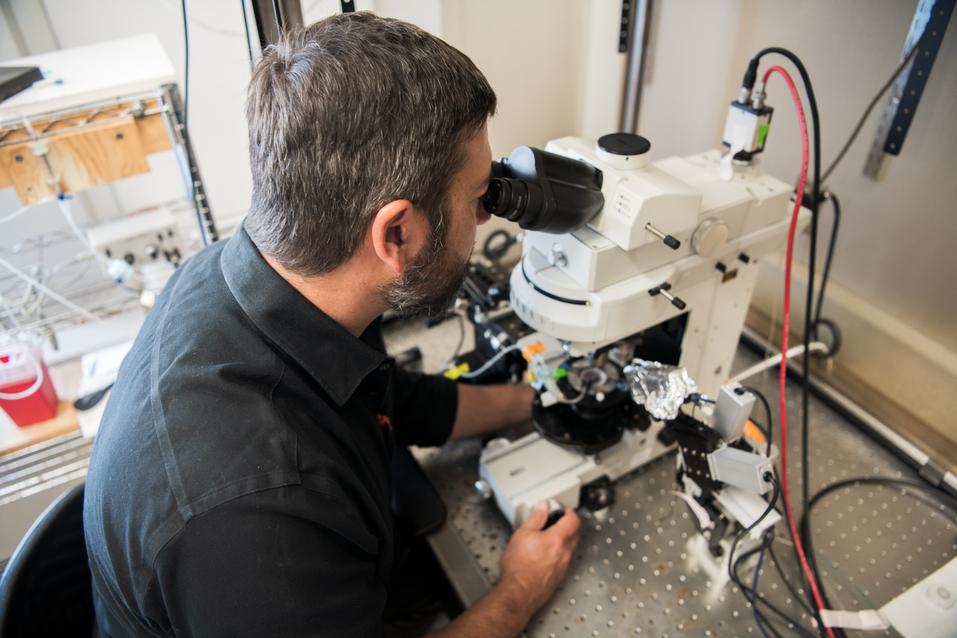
{"x": 661, "y": 388}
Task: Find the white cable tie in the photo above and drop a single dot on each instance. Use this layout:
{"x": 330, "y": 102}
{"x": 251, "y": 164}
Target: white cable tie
{"x": 864, "y": 620}
{"x": 738, "y": 142}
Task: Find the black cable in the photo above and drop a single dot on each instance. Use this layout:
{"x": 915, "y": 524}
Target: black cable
{"x": 818, "y": 321}
{"x": 185, "y": 64}
{"x": 805, "y": 522}
{"x": 787, "y": 583}
{"x": 769, "y": 476}
{"x": 808, "y": 306}
{"x": 870, "y": 107}
{"x": 759, "y": 618}
{"x": 836, "y": 209}
{"x": 736, "y": 579}
{"x": 493, "y": 252}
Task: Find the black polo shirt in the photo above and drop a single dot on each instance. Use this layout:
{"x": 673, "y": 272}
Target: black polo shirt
{"x": 240, "y": 481}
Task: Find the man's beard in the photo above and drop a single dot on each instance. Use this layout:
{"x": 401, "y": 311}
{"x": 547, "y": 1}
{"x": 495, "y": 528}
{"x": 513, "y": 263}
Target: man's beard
{"x": 429, "y": 285}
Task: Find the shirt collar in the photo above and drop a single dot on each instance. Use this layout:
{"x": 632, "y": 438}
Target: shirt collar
{"x": 334, "y": 357}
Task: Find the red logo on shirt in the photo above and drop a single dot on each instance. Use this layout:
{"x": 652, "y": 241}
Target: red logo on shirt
{"x": 384, "y": 421}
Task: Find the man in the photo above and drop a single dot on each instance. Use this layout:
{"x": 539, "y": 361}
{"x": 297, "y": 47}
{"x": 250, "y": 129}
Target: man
{"x": 240, "y": 480}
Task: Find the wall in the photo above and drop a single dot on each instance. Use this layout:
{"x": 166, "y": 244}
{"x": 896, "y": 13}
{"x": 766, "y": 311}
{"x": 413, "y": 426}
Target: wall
{"x": 894, "y": 291}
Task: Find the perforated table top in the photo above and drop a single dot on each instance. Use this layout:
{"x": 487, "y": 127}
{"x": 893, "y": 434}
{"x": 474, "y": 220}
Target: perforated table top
{"x": 632, "y": 573}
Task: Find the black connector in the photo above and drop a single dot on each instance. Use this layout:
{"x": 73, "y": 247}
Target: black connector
{"x": 751, "y": 75}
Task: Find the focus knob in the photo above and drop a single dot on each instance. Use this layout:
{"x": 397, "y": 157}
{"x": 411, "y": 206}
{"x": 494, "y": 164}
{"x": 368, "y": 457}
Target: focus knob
{"x": 709, "y": 237}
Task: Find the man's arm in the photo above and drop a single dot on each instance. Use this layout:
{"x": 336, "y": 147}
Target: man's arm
{"x": 533, "y": 566}
{"x": 486, "y": 408}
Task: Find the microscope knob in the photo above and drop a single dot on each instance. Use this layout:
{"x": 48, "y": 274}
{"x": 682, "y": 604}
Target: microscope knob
{"x": 557, "y": 256}
{"x": 483, "y": 489}
{"x": 709, "y": 237}
{"x": 555, "y": 512}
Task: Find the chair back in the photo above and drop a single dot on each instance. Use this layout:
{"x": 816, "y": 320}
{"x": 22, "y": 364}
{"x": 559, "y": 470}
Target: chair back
{"x": 46, "y": 588}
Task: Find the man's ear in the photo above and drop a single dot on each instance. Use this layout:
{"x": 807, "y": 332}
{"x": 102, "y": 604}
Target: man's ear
{"x": 398, "y": 232}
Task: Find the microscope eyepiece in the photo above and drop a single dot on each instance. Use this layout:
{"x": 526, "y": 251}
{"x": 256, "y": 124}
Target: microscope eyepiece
{"x": 514, "y": 199}
{"x": 544, "y": 191}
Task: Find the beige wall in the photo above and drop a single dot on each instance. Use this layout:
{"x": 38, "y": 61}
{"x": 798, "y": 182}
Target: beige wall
{"x": 532, "y": 53}
{"x": 896, "y": 248}
{"x": 895, "y": 292}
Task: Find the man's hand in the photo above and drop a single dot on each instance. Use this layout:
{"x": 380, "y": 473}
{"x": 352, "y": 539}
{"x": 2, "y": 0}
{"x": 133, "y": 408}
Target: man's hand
{"x": 535, "y": 560}
{"x": 534, "y": 564}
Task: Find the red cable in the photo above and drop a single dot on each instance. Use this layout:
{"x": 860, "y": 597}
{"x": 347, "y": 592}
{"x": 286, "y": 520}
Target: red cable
{"x": 785, "y": 328}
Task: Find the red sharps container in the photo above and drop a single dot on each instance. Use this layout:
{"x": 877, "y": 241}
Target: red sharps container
{"x": 26, "y": 390}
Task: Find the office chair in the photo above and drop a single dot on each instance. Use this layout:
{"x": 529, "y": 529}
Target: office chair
{"x": 46, "y": 589}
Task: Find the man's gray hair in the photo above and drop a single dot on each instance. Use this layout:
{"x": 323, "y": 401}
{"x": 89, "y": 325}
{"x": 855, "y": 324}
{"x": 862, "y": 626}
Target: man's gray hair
{"x": 345, "y": 116}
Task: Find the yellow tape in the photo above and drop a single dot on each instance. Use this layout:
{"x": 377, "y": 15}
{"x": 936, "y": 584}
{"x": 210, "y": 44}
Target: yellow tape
{"x": 456, "y": 372}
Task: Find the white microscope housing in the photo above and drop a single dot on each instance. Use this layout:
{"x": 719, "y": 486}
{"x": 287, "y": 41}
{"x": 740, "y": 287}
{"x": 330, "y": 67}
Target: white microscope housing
{"x": 679, "y": 236}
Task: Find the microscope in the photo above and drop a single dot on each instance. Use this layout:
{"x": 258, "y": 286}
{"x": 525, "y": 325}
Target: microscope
{"x": 632, "y": 290}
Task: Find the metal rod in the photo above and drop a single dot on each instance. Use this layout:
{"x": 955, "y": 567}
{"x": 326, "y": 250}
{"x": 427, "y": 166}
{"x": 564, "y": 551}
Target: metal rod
{"x": 640, "y": 25}
{"x": 185, "y": 159}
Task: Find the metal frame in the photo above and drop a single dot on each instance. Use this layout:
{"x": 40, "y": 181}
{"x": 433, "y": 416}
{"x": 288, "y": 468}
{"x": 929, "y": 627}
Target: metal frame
{"x": 99, "y": 299}
{"x": 186, "y": 160}
{"x": 265, "y": 20}
{"x": 927, "y": 28}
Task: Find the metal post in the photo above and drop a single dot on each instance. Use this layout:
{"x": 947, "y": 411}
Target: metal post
{"x": 186, "y": 160}
{"x": 638, "y": 37}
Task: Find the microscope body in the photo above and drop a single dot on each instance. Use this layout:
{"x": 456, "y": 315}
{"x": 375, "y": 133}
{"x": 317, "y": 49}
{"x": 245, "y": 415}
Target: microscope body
{"x": 671, "y": 255}
{"x": 603, "y": 282}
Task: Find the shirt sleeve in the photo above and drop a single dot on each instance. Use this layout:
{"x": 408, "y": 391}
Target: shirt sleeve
{"x": 261, "y": 565}
{"x": 424, "y": 407}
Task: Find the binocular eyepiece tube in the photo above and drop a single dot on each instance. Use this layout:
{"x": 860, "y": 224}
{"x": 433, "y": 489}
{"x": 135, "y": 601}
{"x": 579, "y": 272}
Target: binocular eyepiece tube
{"x": 544, "y": 191}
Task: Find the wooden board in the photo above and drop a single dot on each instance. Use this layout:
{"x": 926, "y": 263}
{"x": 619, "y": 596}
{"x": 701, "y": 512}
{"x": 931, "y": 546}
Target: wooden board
{"x": 153, "y": 133}
{"x": 13, "y": 437}
{"x": 26, "y": 173}
{"x": 79, "y": 158}
{"x": 97, "y": 155}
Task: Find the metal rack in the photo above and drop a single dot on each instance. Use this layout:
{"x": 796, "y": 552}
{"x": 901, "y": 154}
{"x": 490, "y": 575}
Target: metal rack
{"x": 142, "y": 108}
